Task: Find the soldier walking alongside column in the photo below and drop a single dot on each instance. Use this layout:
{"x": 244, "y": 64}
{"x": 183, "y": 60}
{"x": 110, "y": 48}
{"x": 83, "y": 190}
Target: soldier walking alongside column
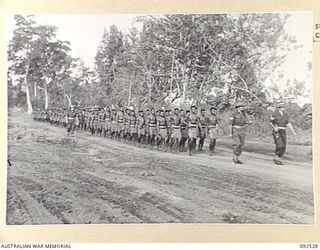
{"x": 237, "y": 123}
{"x": 279, "y": 121}
{"x": 70, "y": 121}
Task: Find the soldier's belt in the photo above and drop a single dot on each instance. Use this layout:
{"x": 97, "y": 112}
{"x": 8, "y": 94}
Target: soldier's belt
{"x": 174, "y": 126}
{"x": 203, "y": 126}
{"x": 211, "y": 126}
{"x": 120, "y": 120}
{"x": 192, "y": 126}
{"x": 113, "y": 122}
{"x": 162, "y": 127}
{"x": 71, "y": 118}
{"x": 152, "y": 125}
{"x": 238, "y": 126}
{"x": 281, "y": 127}
{"x": 132, "y": 125}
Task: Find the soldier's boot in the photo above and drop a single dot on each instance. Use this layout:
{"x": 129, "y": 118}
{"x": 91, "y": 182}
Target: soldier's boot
{"x": 278, "y": 161}
{"x": 235, "y": 159}
{"x": 172, "y": 143}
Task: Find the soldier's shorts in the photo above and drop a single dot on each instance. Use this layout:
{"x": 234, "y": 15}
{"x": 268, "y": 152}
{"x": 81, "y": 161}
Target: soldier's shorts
{"x": 203, "y": 132}
{"x": 133, "y": 129}
{"x": 101, "y": 125}
{"x": 193, "y": 132}
{"x": 176, "y": 133}
{"x": 163, "y": 133}
{"x": 238, "y": 135}
{"x": 153, "y": 130}
{"x": 113, "y": 126}
{"x": 280, "y": 139}
{"x": 107, "y": 124}
{"x": 213, "y": 133}
{"x": 120, "y": 126}
{"x": 95, "y": 125}
{"x": 141, "y": 131}
{"x": 184, "y": 132}
{"x": 77, "y": 122}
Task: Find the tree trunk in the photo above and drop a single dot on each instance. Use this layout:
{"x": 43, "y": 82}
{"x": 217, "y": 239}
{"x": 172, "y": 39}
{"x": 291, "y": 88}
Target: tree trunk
{"x": 69, "y": 99}
{"x": 130, "y": 89}
{"x": 29, "y": 104}
{"x": 46, "y": 95}
{"x": 184, "y": 84}
{"x": 35, "y": 89}
{"x": 30, "y": 109}
{"x": 149, "y": 87}
{"x": 172, "y": 67}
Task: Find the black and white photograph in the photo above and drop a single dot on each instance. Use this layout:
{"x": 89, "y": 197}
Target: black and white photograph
{"x": 160, "y": 118}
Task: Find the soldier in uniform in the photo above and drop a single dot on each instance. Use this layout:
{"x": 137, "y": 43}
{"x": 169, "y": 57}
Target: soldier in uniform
{"x": 101, "y": 120}
{"x": 213, "y": 128}
{"x": 82, "y": 119}
{"x": 107, "y": 122}
{"x": 120, "y": 123}
{"x": 279, "y": 121}
{"x": 63, "y": 120}
{"x": 94, "y": 120}
{"x": 113, "y": 120}
{"x": 152, "y": 122}
{"x": 176, "y": 129}
{"x": 86, "y": 119}
{"x": 193, "y": 124}
{"x": 146, "y": 118}
{"x": 70, "y": 120}
{"x": 168, "y": 116}
{"x": 162, "y": 127}
{"x": 238, "y": 120}
{"x": 141, "y": 123}
{"x": 126, "y": 133}
{"x": 183, "y": 130}
{"x": 203, "y": 129}
{"x": 133, "y": 126}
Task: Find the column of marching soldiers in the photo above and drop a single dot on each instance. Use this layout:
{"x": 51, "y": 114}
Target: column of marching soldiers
{"x": 166, "y": 130}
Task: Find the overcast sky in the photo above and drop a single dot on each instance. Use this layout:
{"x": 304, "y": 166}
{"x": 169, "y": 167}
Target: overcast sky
{"x": 85, "y": 33}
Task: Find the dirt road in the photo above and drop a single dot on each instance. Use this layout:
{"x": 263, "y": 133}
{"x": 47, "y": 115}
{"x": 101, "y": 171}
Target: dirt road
{"x": 54, "y": 179}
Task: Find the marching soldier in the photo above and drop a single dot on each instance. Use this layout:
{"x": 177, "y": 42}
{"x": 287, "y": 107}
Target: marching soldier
{"x": 113, "y": 119}
{"x": 120, "y": 123}
{"x": 237, "y": 123}
{"x": 162, "y": 127}
{"x": 70, "y": 120}
{"x": 107, "y": 122}
{"x": 183, "y": 130}
{"x": 193, "y": 124}
{"x": 213, "y": 128}
{"x": 126, "y": 124}
{"x": 146, "y": 117}
{"x": 168, "y": 116}
{"x": 141, "y": 123}
{"x": 101, "y": 122}
{"x": 152, "y": 122}
{"x": 133, "y": 126}
{"x": 279, "y": 122}
{"x": 176, "y": 132}
{"x": 202, "y": 128}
